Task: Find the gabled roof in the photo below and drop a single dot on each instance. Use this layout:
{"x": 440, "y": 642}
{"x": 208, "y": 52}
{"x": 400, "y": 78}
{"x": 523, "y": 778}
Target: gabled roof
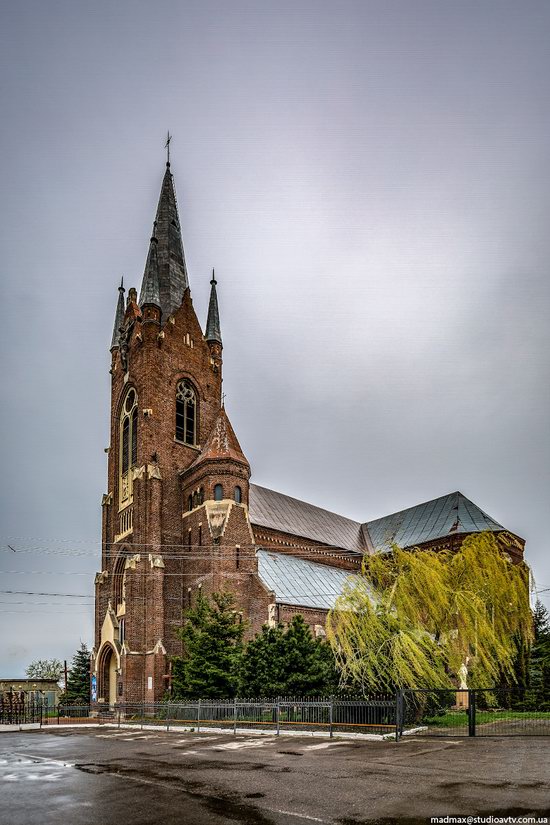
{"x": 299, "y": 582}
{"x": 276, "y": 511}
{"x": 441, "y": 517}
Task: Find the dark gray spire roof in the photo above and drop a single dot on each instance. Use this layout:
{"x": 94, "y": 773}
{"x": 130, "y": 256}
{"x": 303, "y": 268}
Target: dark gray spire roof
{"x": 119, "y": 316}
{"x": 150, "y": 288}
{"x": 213, "y": 331}
{"x": 172, "y": 272}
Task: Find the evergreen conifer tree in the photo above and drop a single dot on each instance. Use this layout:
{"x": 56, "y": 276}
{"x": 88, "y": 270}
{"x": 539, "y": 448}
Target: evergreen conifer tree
{"x": 77, "y": 690}
{"x": 262, "y": 666}
{"x": 539, "y": 660}
{"x": 310, "y": 668}
{"x": 287, "y": 661}
{"x": 212, "y": 638}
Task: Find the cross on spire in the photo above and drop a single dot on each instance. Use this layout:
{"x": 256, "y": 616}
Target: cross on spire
{"x": 167, "y": 147}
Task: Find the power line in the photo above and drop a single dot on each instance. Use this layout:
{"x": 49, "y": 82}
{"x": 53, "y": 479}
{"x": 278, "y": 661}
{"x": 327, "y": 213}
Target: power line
{"x": 215, "y": 551}
{"x": 320, "y": 548}
{"x": 46, "y": 604}
{"x": 38, "y": 593}
{"x": 42, "y": 612}
{"x": 43, "y": 573}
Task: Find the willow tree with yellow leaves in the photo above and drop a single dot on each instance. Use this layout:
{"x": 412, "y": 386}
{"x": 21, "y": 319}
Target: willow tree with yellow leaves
{"x": 433, "y": 619}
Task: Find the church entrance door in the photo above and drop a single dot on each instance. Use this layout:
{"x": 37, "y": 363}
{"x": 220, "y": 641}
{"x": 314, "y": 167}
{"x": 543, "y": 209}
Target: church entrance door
{"x": 108, "y": 676}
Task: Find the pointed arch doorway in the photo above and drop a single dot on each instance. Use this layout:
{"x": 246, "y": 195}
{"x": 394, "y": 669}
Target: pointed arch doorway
{"x": 108, "y": 675}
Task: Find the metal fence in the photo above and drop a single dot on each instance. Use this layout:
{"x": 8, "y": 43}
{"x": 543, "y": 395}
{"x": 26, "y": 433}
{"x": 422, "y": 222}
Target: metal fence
{"x": 480, "y": 712}
{"x": 15, "y": 711}
{"x": 326, "y": 715}
{"x": 450, "y": 713}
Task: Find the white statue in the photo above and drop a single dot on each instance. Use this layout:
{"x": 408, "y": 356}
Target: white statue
{"x": 463, "y": 674}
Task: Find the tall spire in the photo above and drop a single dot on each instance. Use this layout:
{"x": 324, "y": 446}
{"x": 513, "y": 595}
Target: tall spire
{"x": 172, "y": 272}
{"x": 213, "y": 332}
{"x": 119, "y": 315}
{"x": 150, "y": 289}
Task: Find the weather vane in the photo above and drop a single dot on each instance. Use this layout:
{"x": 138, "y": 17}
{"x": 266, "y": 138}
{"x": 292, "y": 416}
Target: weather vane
{"x": 167, "y": 147}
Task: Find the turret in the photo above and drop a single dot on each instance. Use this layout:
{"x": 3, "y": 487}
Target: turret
{"x": 221, "y": 471}
{"x": 213, "y": 333}
{"x": 149, "y": 299}
{"x": 119, "y": 317}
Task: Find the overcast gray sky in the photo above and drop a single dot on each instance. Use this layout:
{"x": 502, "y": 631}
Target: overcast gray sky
{"x": 371, "y": 181}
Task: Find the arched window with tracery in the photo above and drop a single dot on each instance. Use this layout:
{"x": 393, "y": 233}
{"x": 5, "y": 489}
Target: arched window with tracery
{"x": 119, "y": 581}
{"x": 186, "y": 413}
{"x": 128, "y": 446}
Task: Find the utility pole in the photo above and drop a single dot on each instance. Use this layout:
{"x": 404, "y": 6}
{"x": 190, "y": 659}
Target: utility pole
{"x": 65, "y": 669}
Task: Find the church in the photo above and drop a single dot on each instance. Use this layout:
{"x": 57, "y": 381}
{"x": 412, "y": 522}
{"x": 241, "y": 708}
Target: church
{"x": 181, "y": 517}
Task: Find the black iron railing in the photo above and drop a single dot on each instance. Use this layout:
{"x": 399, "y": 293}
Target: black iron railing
{"x": 480, "y": 712}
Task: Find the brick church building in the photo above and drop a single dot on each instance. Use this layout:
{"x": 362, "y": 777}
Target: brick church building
{"x": 180, "y": 515}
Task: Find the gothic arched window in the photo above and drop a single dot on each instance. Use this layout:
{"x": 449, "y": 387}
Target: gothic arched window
{"x": 186, "y": 413}
{"x": 238, "y": 495}
{"x": 128, "y": 446}
{"x": 119, "y": 580}
{"x": 218, "y": 492}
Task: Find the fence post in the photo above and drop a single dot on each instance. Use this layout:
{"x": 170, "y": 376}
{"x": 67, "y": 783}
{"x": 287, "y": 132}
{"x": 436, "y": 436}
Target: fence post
{"x": 119, "y": 718}
{"x": 471, "y": 713}
{"x": 330, "y": 713}
{"x": 199, "y": 717}
{"x": 142, "y": 716}
{"x": 278, "y": 717}
{"x": 399, "y": 713}
{"x": 58, "y": 714}
{"x": 235, "y": 717}
{"x": 168, "y": 716}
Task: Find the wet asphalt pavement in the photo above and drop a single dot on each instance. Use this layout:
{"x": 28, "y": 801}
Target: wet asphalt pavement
{"x": 105, "y": 776}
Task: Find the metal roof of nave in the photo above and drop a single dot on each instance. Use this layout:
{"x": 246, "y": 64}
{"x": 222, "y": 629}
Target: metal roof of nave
{"x": 300, "y": 582}
{"x": 448, "y": 515}
{"x": 290, "y": 515}
{"x": 441, "y": 517}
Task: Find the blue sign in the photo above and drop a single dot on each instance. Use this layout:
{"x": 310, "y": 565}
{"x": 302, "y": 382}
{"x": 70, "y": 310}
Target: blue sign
{"x": 94, "y": 688}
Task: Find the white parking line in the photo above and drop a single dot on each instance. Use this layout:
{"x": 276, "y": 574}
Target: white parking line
{"x": 29, "y": 757}
{"x": 293, "y": 813}
{"x": 323, "y": 745}
{"x": 237, "y": 746}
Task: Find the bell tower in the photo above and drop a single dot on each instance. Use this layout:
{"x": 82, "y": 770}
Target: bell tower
{"x": 164, "y": 520}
